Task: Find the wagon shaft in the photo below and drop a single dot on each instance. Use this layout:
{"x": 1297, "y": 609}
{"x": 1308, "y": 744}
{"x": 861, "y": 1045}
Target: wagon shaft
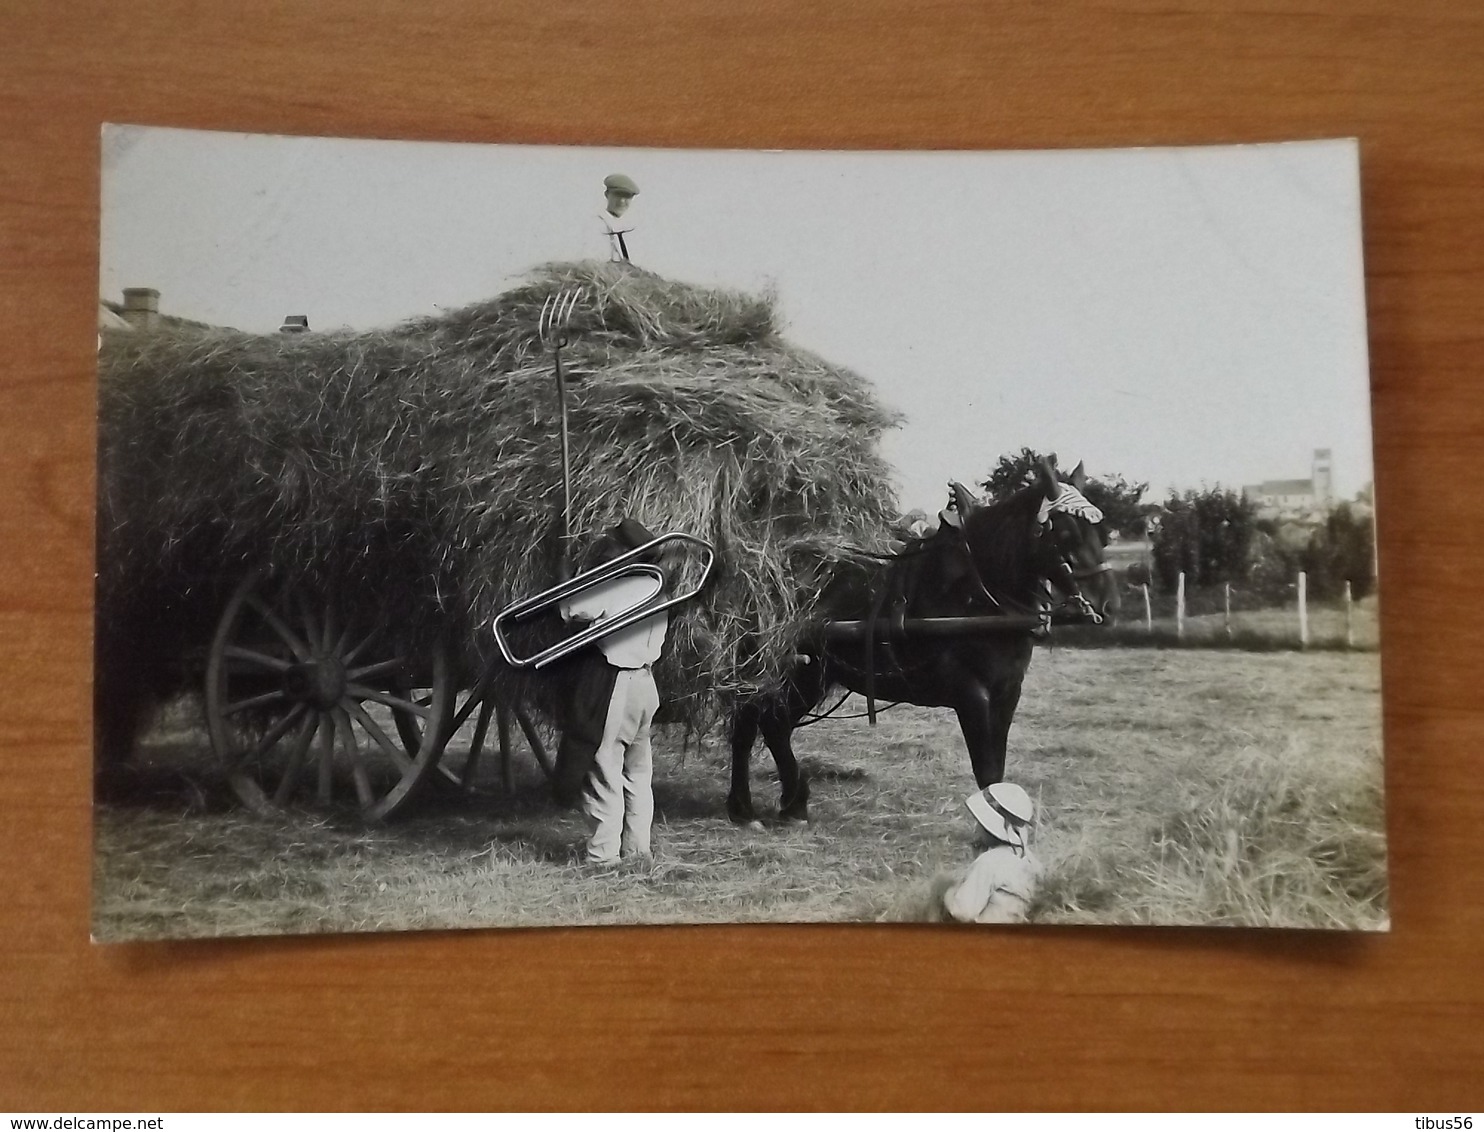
{"x": 919, "y": 627}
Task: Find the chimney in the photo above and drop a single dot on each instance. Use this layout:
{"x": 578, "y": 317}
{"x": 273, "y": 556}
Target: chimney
{"x": 142, "y": 307}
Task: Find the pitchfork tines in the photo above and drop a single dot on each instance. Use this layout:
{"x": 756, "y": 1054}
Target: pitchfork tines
{"x": 556, "y": 316}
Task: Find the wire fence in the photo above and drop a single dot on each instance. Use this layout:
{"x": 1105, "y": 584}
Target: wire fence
{"x": 1237, "y": 616}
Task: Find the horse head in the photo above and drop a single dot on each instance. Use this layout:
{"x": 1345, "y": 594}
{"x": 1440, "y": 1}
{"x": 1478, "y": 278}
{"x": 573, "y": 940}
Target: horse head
{"x": 1048, "y": 532}
{"x": 1071, "y": 543}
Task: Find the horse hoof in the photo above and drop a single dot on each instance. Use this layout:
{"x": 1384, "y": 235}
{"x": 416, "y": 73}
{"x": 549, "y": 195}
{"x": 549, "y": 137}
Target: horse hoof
{"x": 738, "y": 815}
{"x": 796, "y": 809}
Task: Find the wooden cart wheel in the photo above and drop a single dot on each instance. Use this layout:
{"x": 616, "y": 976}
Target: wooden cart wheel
{"x": 475, "y": 710}
{"x": 300, "y": 698}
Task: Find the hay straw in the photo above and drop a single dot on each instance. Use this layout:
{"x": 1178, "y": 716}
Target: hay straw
{"x": 415, "y": 472}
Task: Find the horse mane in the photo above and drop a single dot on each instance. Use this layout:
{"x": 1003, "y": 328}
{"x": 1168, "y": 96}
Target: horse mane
{"x": 1000, "y": 536}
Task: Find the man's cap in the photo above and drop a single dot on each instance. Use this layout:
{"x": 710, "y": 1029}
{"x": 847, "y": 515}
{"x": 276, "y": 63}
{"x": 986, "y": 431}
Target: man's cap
{"x": 632, "y": 533}
{"x": 999, "y": 808}
{"x": 624, "y": 536}
{"x": 618, "y": 183}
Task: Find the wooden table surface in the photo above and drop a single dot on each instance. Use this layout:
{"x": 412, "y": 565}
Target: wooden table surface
{"x": 758, "y": 1016}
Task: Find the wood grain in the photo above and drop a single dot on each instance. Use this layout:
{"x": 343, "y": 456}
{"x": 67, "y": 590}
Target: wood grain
{"x": 759, "y": 1016}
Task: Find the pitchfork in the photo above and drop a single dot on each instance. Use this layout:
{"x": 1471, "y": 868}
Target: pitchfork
{"x": 556, "y": 316}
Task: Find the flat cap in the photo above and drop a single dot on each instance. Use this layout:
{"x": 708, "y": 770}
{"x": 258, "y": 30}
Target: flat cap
{"x": 618, "y": 183}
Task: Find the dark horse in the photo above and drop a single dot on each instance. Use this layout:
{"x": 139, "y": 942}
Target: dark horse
{"x": 998, "y": 559}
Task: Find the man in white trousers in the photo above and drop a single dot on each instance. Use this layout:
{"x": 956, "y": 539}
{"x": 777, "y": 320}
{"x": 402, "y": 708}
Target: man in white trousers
{"x": 617, "y": 795}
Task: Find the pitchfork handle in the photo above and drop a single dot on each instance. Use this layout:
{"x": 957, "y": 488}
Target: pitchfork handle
{"x": 564, "y": 561}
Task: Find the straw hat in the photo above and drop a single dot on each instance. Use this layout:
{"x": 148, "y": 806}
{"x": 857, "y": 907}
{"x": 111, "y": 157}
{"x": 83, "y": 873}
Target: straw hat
{"x": 1000, "y": 808}
{"x": 1012, "y": 801}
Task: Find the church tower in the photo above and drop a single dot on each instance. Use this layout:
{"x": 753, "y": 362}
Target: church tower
{"x": 1324, "y": 483}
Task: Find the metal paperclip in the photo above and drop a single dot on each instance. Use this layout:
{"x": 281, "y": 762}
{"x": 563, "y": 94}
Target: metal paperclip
{"x": 622, "y": 566}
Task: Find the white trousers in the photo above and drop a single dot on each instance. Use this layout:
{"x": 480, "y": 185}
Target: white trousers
{"x": 618, "y": 797}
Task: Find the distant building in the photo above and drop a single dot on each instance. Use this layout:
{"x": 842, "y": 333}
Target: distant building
{"x": 1297, "y": 500}
{"x": 140, "y": 310}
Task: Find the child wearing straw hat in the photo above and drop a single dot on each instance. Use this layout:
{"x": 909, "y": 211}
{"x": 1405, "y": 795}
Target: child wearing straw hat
{"x": 998, "y": 886}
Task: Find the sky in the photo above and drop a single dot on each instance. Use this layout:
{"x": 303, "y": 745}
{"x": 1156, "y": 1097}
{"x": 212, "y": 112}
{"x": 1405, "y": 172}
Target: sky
{"x": 1187, "y": 317}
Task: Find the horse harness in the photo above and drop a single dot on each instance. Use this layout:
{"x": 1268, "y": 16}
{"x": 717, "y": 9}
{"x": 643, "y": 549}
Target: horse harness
{"x": 898, "y": 591}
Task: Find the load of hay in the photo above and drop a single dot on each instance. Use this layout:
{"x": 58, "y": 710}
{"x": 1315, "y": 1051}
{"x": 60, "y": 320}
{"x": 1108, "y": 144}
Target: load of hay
{"x": 415, "y": 473}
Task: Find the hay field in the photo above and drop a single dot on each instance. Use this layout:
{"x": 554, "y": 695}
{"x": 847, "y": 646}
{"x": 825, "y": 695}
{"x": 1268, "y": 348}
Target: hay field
{"x": 1178, "y": 787}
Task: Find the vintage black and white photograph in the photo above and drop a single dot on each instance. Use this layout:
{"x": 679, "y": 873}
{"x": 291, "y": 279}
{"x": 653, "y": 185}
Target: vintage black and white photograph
{"x": 505, "y": 536}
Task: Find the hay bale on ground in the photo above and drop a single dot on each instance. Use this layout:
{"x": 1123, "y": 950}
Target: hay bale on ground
{"x": 416, "y": 471}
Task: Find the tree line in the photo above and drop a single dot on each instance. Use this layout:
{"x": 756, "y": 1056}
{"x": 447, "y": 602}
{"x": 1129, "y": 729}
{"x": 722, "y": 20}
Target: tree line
{"x": 1215, "y": 536}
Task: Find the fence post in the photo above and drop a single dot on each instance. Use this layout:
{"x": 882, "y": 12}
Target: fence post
{"x": 1303, "y": 591}
{"x": 1180, "y": 607}
{"x": 1226, "y": 588}
{"x": 1148, "y": 609}
{"x": 1349, "y": 619}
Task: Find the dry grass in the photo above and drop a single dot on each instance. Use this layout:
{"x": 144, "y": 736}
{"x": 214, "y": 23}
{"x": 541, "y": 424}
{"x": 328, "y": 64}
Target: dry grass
{"x": 1190, "y": 788}
{"x": 1254, "y": 630}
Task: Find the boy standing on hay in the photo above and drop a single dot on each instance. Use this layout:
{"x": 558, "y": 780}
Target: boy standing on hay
{"x": 619, "y": 192}
{"x": 999, "y": 885}
{"x": 605, "y": 738}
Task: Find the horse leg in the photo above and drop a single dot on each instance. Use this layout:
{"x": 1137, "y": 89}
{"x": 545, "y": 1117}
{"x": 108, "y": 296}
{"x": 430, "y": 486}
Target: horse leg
{"x": 976, "y": 718}
{"x": 1003, "y": 701}
{"x": 744, "y": 735}
{"x": 793, "y": 802}
{"x": 806, "y": 687}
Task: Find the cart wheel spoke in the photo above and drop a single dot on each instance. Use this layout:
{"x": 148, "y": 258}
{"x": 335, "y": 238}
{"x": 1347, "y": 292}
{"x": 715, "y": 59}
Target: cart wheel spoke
{"x": 276, "y": 623}
{"x": 359, "y": 647}
{"x": 476, "y": 743}
{"x": 252, "y": 656}
{"x": 364, "y": 794}
{"x": 332, "y": 636}
{"x": 380, "y": 668}
{"x": 507, "y": 768}
{"x": 271, "y": 736}
{"x": 373, "y": 729}
{"x": 363, "y": 693}
{"x": 310, "y": 622}
{"x": 463, "y": 714}
{"x": 326, "y": 759}
{"x": 236, "y": 706}
{"x": 291, "y": 773}
{"x": 538, "y": 748}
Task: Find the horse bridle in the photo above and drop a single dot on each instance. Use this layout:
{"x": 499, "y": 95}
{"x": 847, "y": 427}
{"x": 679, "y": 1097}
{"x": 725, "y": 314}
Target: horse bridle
{"x": 1071, "y": 574}
{"x": 1075, "y": 596}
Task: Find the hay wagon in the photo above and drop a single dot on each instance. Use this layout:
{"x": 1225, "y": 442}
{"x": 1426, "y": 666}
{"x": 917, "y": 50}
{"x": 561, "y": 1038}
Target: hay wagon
{"x": 321, "y": 528}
